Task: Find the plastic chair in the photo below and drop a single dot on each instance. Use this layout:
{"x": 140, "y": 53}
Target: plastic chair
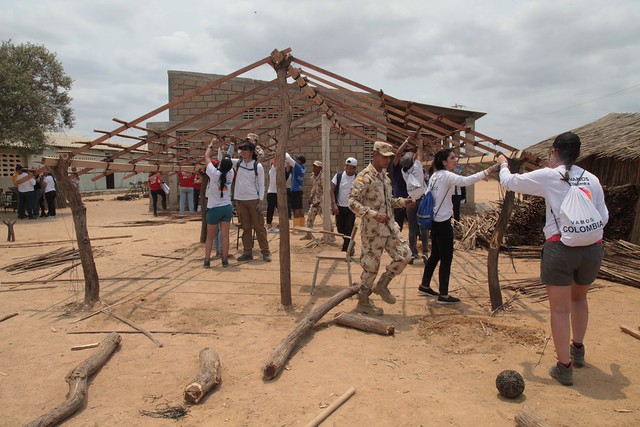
{"x": 336, "y": 256}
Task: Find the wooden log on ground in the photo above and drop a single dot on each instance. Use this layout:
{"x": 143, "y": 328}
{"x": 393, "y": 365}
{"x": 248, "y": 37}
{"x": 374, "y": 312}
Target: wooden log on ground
{"x": 364, "y": 323}
{"x": 629, "y": 331}
{"x": 78, "y": 380}
{"x": 528, "y": 417}
{"x": 209, "y": 376}
{"x": 11, "y": 235}
{"x": 329, "y": 409}
{"x": 8, "y": 316}
{"x": 276, "y": 362}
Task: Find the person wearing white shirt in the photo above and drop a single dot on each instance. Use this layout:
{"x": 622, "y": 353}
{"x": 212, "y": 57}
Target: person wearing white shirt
{"x": 249, "y": 193}
{"x": 413, "y": 175}
{"x": 341, "y": 184}
{"x": 441, "y": 184}
{"x": 49, "y": 185}
{"x": 26, "y": 194}
{"x": 566, "y": 271}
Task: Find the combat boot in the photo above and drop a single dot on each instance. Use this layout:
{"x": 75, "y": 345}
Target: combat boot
{"x": 381, "y": 288}
{"x": 365, "y": 305}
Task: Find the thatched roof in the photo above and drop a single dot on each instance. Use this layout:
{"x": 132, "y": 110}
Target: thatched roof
{"x": 616, "y": 135}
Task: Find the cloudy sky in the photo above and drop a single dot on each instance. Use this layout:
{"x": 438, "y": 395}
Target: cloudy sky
{"x": 537, "y": 68}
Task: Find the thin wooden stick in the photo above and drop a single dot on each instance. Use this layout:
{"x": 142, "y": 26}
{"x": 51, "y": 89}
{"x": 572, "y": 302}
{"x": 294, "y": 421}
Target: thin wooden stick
{"x": 629, "y": 331}
{"x": 27, "y": 289}
{"x": 100, "y": 311}
{"x": 133, "y": 325}
{"x": 329, "y": 409}
{"x": 28, "y": 244}
{"x": 85, "y": 346}
{"x": 139, "y": 332}
{"x": 162, "y": 256}
{"x": 8, "y": 316}
{"x": 102, "y": 279}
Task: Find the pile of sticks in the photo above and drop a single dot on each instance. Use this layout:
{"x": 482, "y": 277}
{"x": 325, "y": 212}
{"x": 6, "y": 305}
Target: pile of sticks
{"x": 48, "y": 259}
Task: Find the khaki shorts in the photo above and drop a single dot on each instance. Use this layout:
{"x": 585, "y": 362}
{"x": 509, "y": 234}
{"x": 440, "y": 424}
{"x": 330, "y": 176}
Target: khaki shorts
{"x": 561, "y": 265}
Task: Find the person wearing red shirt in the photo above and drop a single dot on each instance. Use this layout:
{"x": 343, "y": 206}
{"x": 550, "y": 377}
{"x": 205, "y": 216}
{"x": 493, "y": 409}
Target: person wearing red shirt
{"x": 155, "y": 186}
{"x": 197, "y": 184}
{"x": 186, "y": 190}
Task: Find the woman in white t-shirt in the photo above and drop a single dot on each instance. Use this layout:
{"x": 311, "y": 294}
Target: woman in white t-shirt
{"x": 219, "y": 209}
{"x": 567, "y": 271}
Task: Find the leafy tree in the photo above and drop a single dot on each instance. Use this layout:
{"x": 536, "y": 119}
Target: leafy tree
{"x": 34, "y": 96}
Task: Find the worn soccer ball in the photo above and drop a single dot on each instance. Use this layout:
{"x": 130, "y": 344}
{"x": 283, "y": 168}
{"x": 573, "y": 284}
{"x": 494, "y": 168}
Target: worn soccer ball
{"x": 510, "y": 384}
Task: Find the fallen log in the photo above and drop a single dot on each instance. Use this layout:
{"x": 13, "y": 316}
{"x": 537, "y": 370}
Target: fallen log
{"x": 209, "y": 376}
{"x": 276, "y": 362}
{"x": 78, "y": 379}
{"x": 364, "y": 323}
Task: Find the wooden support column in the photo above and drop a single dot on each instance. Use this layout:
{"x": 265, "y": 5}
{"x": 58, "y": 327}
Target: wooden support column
{"x": 496, "y": 241}
{"x": 281, "y": 65}
{"x": 327, "y": 225}
{"x": 79, "y": 212}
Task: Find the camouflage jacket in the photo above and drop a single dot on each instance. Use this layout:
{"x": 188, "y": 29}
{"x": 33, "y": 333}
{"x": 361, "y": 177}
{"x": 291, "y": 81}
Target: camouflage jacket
{"x": 371, "y": 194}
{"x": 316, "y": 189}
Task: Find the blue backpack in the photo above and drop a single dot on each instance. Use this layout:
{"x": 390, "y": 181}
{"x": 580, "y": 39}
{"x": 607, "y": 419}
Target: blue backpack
{"x": 425, "y": 211}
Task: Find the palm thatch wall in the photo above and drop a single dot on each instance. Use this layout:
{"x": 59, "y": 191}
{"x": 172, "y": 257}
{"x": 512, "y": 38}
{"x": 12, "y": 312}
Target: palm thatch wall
{"x": 611, "y": 150}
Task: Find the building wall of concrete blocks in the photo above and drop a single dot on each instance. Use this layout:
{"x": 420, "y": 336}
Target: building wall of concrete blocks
{"x": 181, "y": 82}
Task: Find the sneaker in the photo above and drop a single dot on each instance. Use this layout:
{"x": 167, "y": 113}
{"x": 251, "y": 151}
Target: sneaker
{"x": 425, "y": 257}
{"x": 413, "y": 258}
{"x": 563, "y": 374}
{"x": 577, "y": 355}
{"x": 244, "y": 257}
{"x": 273, "y": 230}
{"x": 427, "y": 292}
{"x": 266, "y": 258}
{"x": 448, "y": 300}
{"x": 225, "y": 263}
{"x": 207, "y": 263}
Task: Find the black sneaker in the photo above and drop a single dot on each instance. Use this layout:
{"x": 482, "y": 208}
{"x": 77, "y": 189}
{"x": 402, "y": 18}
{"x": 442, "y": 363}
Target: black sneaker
{"x": 427, "y": 292}
{"x": 207, "y": 263}
{"x": 266, "y": 258}
{"x": 225, "y": 263}
{"x": 448, "y": 300}
{"x": 244, "y": 257}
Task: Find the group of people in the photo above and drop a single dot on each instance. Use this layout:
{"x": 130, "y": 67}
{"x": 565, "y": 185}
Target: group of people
{"x": 567, "y": 271}
{"x": 34, "y": 191}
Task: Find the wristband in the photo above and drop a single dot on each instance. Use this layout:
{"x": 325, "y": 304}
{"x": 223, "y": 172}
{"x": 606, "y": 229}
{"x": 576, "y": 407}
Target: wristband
{"x": 504, "y": 163}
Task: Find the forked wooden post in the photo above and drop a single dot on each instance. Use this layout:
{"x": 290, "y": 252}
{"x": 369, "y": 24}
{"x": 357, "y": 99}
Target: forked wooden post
{"x": 496, "y": 241}
{"x": 281, "y": 65}
{"x": 79, "y": 212}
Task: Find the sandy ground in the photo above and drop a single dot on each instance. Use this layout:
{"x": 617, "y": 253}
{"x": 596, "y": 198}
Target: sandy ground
{"x": 438, "y": 369}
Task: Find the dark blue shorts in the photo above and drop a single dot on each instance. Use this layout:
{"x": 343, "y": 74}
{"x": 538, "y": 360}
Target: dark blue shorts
{"x": 219, "y": 214}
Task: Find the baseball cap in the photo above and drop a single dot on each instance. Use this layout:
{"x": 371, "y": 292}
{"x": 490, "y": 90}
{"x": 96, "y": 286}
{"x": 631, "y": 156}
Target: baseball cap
{"x": 247, "y": 144}
{"x": 302, "y": 159}
{"x": 351, "y": 161}
{"x": 383, "y": 148}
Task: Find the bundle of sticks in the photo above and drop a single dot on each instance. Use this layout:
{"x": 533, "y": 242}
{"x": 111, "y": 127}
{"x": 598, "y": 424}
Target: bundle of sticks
{"x": 48, "y": 259}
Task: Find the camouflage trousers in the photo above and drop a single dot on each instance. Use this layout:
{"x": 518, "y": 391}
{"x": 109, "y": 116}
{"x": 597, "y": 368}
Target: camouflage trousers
{"x": 311, "y": 215}
{"x": 372, "y": 247}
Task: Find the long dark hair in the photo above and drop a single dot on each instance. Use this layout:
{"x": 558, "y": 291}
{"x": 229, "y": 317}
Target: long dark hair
{"x": 440, "y": 158}
{"x": 224, "y": 167}
{"x": 568, "y": 146}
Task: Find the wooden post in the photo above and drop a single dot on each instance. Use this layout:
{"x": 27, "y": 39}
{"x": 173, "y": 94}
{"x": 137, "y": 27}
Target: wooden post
{"x": 281, "y": 67}
{"x": 11, "y": 235}
{"x": 496, "y": 241}
{"x": 79, "y": 212}
{"x": 327, "y": 224}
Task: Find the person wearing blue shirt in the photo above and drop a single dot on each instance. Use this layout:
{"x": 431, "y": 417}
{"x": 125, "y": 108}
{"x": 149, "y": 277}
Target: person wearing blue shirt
{"x": 298, "y": 172}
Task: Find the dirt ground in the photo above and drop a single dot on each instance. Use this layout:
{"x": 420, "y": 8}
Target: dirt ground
{"x": 438, "y": 369}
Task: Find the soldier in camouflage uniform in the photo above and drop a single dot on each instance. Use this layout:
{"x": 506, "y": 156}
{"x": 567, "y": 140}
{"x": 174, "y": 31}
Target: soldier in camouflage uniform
{"x": 371, "y": 200}
{"x": 315, "y": 200}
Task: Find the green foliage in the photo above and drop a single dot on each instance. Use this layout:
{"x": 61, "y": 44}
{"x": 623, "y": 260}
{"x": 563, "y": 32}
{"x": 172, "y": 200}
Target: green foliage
{"x": 34, "y": 96}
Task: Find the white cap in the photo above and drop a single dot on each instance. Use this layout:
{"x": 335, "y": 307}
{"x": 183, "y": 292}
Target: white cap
{"x": 351, "y": 161}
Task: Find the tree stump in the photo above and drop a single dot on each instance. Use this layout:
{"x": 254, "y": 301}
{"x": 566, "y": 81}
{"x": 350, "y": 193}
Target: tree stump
{"x": 11, "y": 235}
{"x": 210, "y": 376}
{"x": 78, "y": 380}
{"x": 364, "y": 323}
{"x": 276, "y": 362}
